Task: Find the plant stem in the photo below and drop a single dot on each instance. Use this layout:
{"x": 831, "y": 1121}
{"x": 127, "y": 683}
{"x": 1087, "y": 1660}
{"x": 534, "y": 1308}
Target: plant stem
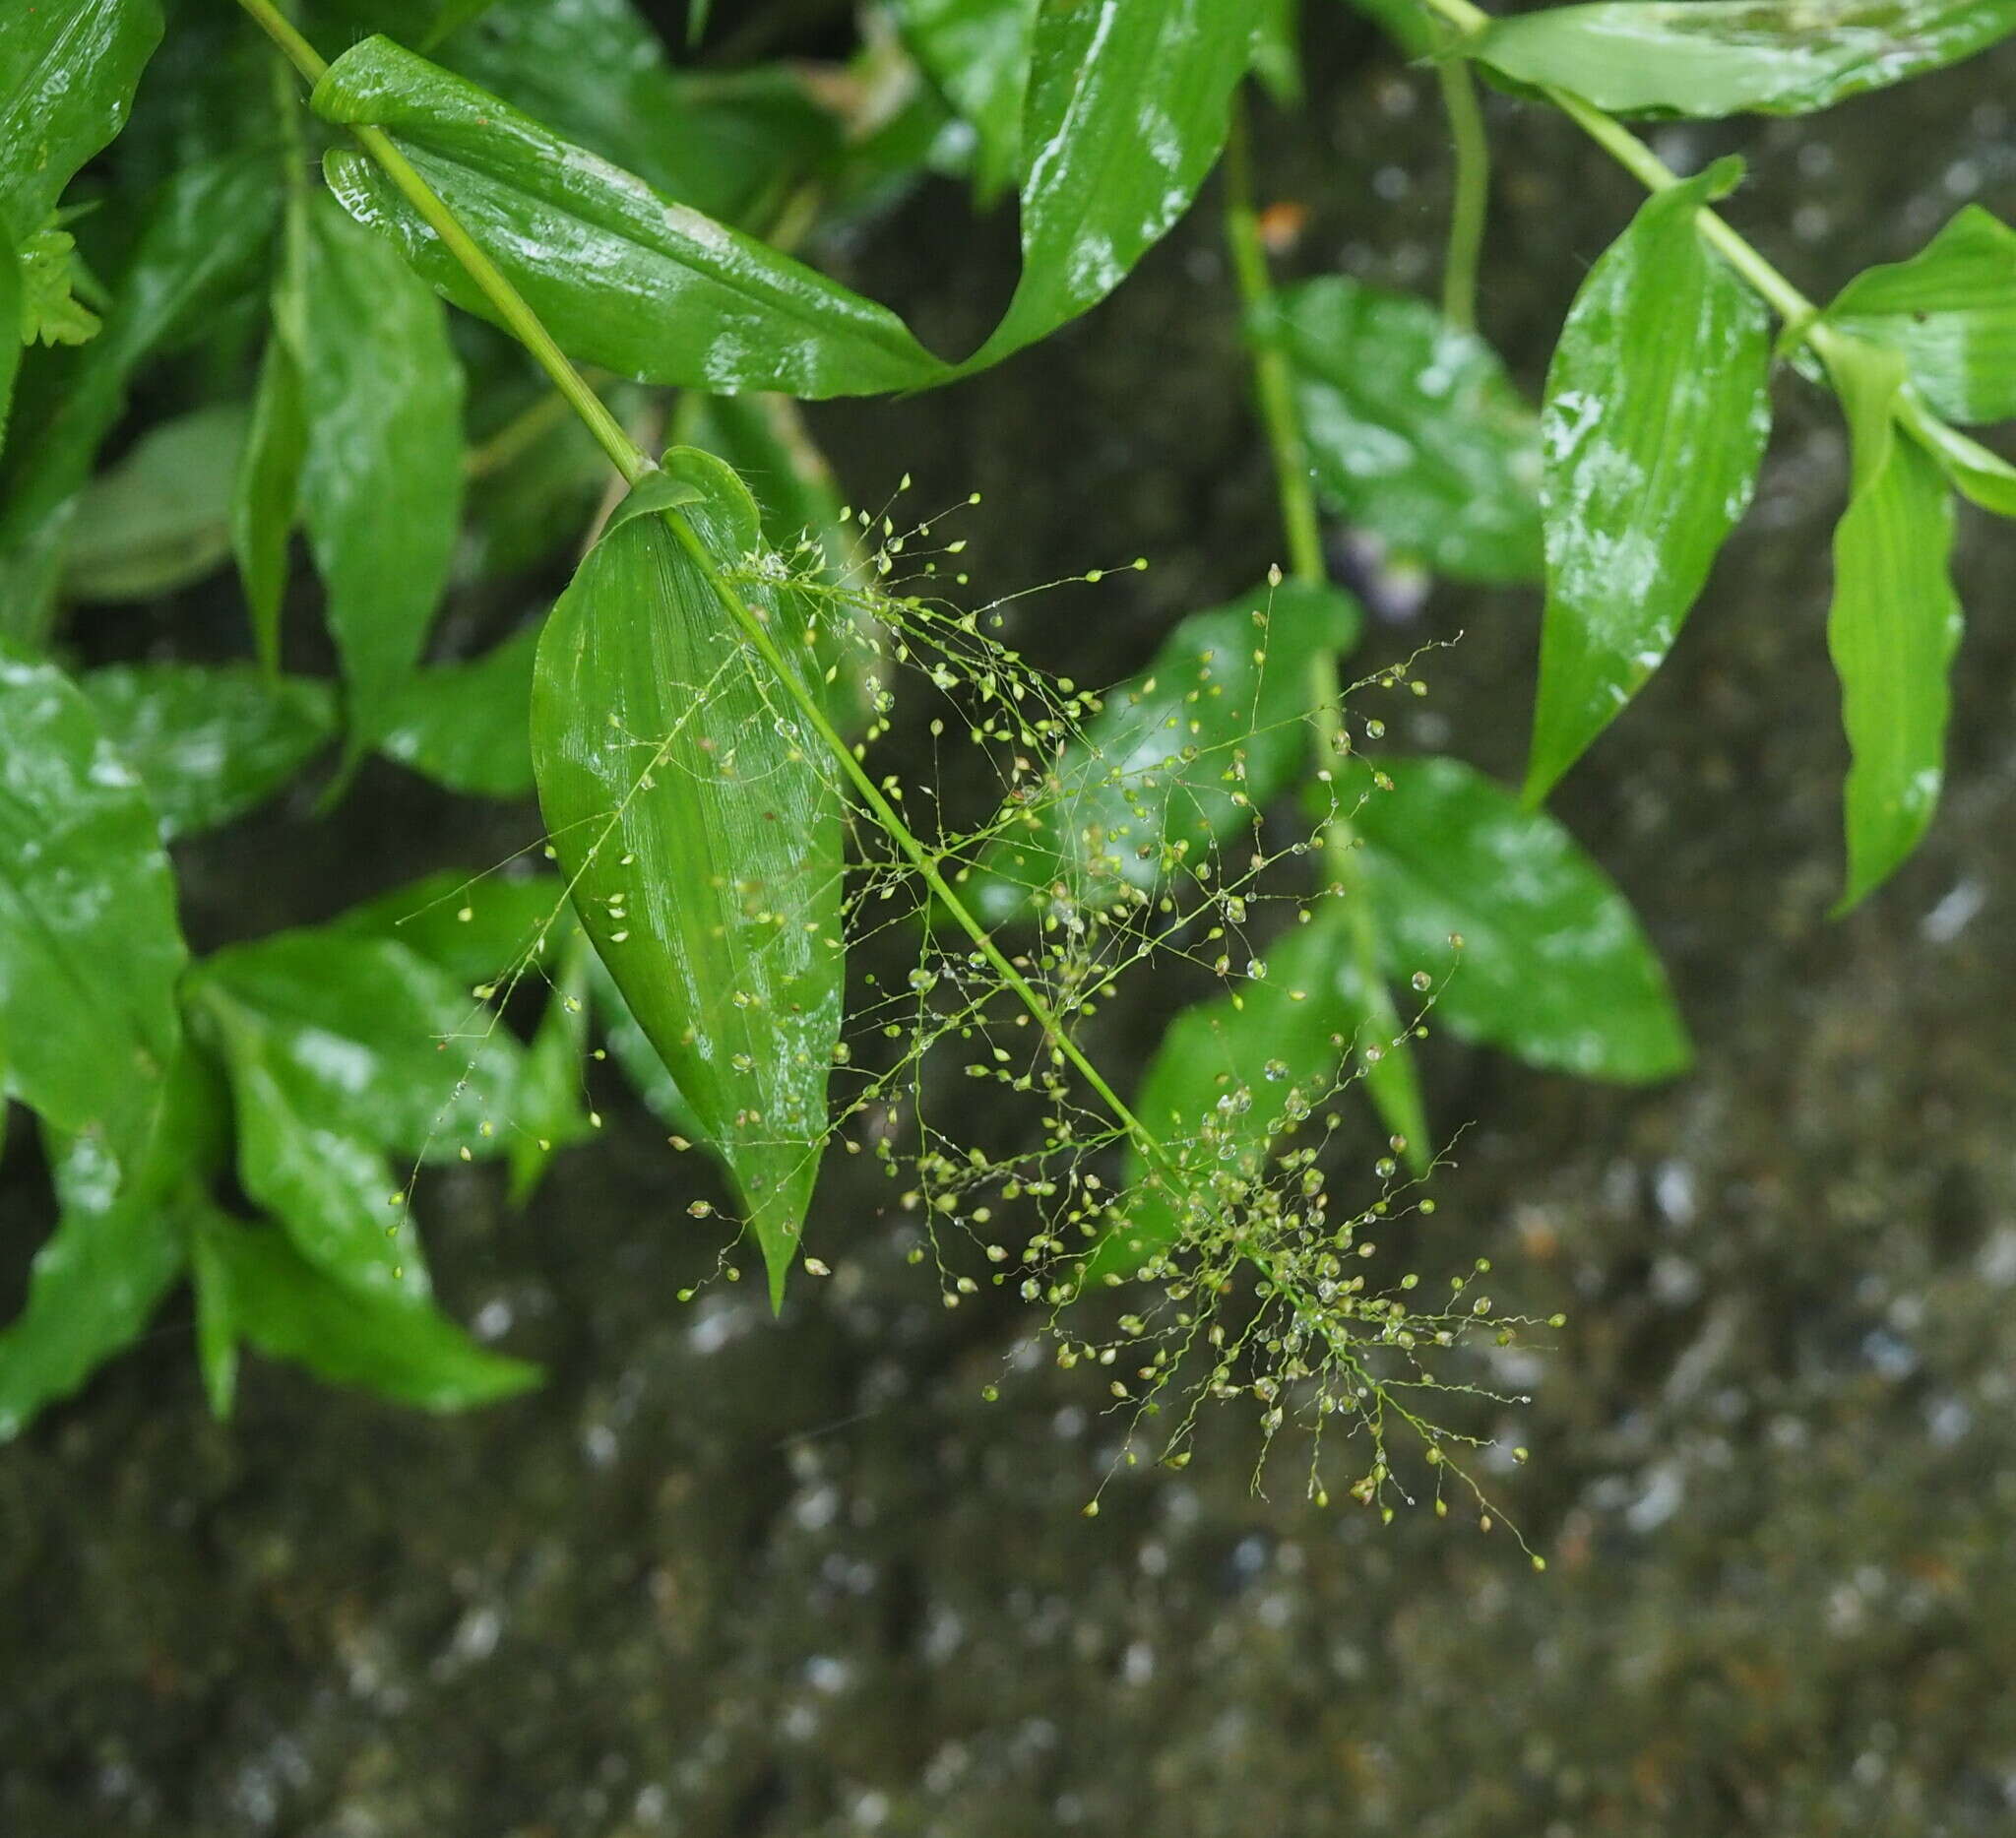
{"x": 1470, "y": 196}
{"x": 511, "y": 307}
{"x": 1271, "y": 382}
{"x": 632, "y": 463}
{"x": 1271, "y": 386}
{"x": 1651, "y": 171}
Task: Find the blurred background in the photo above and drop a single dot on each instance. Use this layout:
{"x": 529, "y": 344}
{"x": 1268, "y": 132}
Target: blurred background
{"x": 724, "y": 1576}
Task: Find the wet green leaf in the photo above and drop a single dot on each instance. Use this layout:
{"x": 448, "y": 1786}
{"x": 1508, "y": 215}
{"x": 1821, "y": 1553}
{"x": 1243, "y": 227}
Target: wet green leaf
{"x": 210, "y": 741}
{"x": 463, "y": 725}
{"x": 89, "y": 947}
{"x": 699, "y": 835}
{"x": 119, "y": 1242}
{"x": 10, "y": 313}
{"x": 381, "y": 480}
{"x": 1712, "y": 58}
{"x": 1658, "y": 408}
{"x": 595, "y": 71}
{"x": 266, "y": 493}
{"x": 1951, "y": 310}
{"x": 622, "y": 275}
{"x": 378, "y": 1043}
{"x": 201, "y": 235}
{"x": 253, "y": 1285}
{"x": 160, "y": 517}
{"x": 1128, "y": 109}
{"x": 481, "y": 928}
{"x": 1234, "y": 1075}
{"x": 1413, "y": 429}
{"x": 1983, "y": 477}
{"x": 977, "y": 51}
{"x": 1894, "y": 625}
{"x": 1553, "y": 967}
{"x": 766, "y": 440}
{"x": 1178, "y": 760}
{"x": 67, "y": 74}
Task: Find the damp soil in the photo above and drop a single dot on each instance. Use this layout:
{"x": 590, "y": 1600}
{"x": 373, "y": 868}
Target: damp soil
{"x": 724, "y": 1576}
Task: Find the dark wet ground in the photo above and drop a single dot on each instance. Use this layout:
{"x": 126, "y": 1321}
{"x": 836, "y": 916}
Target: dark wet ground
{"x": 726, "y": 1577}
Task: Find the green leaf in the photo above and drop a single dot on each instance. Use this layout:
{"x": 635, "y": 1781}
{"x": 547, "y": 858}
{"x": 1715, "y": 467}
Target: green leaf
{"x": 1951, "y": 310}
{"x": 463, "y": 725}
{"x": 1178, "y": 760}
{"x": 265, "y": 491}
{"x": 90, "y": 948}
{"x": 701, "y": 837}
{"x": 1553, "y": 967}
{"x": 251, "y": 1284}
{"x": 479, "y": 928}
{"x": 375, "y": 1041}
{"x": 977, "y": 52}
{"x": 381, "y": 480}
{"x": 1658, "y": 408}
{"x": 1710, "y": 58}
{"x": 1277, "y": 51}
{"x": 50, "y": 311}
{"x": 1413, "y": 429}
{"x": 160, "y": 517}
{"x": 630, "y": 1048}
{"x": 1127, "y": 109}
{"x": 765, "y": 439}
{"x": 1894, "y": 625}
{"x": 201, "y": 234}
{"x": 621, "y": 276}
{"x": 1233, "y": 1076}
{"x": 210, "y": 741}
{"x": 119, "y": 1242}
{"x": 67, "y": 74}
{"x": 1983, "y": 477}
{"x": 595, "y": 71}
{"x": 9, "y": 312}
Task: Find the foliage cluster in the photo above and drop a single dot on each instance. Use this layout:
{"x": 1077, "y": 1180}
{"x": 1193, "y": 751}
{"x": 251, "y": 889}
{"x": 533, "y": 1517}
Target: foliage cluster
{"x": 698, "y": 712}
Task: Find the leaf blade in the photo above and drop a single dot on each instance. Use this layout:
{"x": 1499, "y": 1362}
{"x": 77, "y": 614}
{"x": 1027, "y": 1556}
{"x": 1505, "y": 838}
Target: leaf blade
{"x": 1657, "y": 411}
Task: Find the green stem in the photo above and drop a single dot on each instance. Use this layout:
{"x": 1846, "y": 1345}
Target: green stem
{"x": 519, "y": 318}
{"x": 1471, "y": 192}
{"x": 1271, "y": 379}
{"x": 1651, "y": 171}
{"x": 1273, "y": 387}
{"x": 630, "y": 461}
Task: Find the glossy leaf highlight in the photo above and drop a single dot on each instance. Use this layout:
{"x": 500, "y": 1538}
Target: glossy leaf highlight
{"x": 1710, "y": 58}
{"x": 1553, "y": 967}
{"x": 1658, "y": 407}
{"x": 1412, "y": 427}
{"x": 1951, "y": 310}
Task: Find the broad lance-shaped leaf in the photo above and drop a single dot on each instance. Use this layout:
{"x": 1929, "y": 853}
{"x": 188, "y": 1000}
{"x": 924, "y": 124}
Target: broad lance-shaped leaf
{"x": 463, "y": 725}
{"x": 699, "y": 829}
{"x": 204, "y": 230}
{"x": 1894, "y": 625}
{"x": 120, "y": 1240}
{"x": 381, "y": 480}
{"x": 1178, "y": 760}
{"x": 1127, "y": 109}
{"x": 159, "y": 519}
{"x": 67, "y": 73}
{"x": 1552, "y": 967}
{"x": 1658, "y": 408}
{"x": 1413, "y": 429}
{"x": 1710, "y": 58}
{"x": 9, "y": 317}
{"x": 1233, "y": 1076}
{"x": 90, "y": 946}
{"x": 1951, "y": 310}
{"x": 1978, "y": 476}
{"x": 251, "y": 1284}
{"x": 210, "y": 741}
